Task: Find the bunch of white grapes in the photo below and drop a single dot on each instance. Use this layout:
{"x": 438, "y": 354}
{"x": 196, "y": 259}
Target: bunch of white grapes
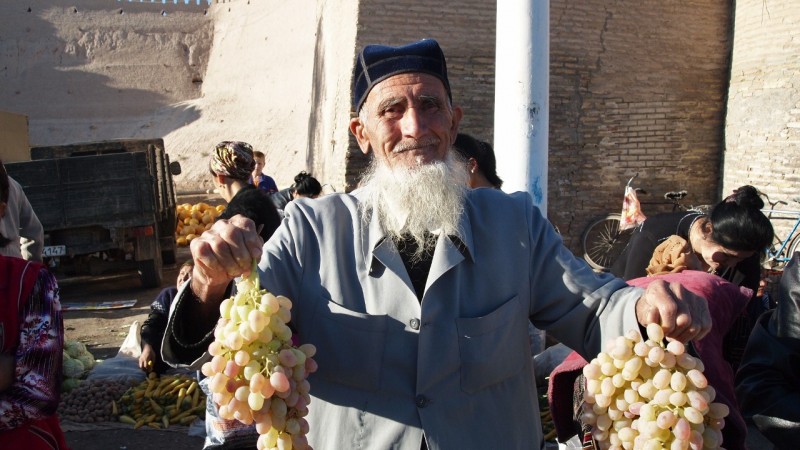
{"x": 256, "y": 374}
{"x": 645, "y": 395}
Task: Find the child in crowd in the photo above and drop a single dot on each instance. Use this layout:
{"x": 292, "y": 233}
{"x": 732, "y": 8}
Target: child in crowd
{"x": 156, "y": 324}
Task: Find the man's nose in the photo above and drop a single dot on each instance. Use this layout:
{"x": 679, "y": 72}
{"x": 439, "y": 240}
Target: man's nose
{"x": 413, "y": 123}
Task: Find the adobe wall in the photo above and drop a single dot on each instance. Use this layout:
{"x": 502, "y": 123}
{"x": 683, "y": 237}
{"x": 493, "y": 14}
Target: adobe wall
{"x": 99, "y": 69}
{"x": 194, "y": 74}
{"x": 763, "y": 120}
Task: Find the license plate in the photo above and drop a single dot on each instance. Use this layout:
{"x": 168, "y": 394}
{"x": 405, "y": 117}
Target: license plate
{"x": 54, "y": 250}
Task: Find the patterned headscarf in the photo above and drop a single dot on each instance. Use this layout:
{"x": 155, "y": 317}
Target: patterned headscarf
{"x": 233, "y": 159}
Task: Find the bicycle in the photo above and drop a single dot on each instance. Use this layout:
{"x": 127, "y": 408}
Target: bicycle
{"x": 602, "y": 241}
{"x": 782, "y": 249}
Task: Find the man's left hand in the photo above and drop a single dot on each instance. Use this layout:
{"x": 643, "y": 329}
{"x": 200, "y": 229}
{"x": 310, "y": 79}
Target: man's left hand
{"x": 683, "y": 315}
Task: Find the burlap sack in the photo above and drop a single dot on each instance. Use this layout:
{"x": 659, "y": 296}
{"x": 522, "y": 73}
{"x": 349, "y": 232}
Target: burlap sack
{"x": 672, "y": 256}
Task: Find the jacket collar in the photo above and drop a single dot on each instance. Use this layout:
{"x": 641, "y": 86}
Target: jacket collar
{"x": 451, "y": 250}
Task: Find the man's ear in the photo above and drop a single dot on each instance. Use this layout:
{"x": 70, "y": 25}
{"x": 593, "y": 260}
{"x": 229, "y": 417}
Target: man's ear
{"x": 359, "y": 130}
{"x": 458, "y": 113}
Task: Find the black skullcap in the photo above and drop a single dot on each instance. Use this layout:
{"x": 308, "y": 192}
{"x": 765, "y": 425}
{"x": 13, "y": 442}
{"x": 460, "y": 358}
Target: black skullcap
{"x": 378, "y": 62}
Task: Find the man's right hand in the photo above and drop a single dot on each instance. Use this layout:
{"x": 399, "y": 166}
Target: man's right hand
{"x": 222, "y": 253}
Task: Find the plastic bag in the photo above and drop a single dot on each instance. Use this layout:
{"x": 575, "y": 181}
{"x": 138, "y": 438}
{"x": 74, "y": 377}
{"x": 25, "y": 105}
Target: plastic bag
{"x": 225, "y": 434}
{"x": 632, "y": 214}
{"x": 124, "y": 366}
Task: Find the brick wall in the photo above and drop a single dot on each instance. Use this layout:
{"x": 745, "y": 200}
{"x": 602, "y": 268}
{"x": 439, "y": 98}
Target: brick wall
{"x": 763, "y": 119}
{"x": 635, "y": 87}
{"x": 465, "y": 30}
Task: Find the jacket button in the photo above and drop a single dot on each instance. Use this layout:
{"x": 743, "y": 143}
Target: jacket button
{"x": 421, "y": 401}
{"x": 414, "y": 324}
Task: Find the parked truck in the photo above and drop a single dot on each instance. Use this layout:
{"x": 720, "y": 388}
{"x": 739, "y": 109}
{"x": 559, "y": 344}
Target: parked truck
{"x": 106, "y": 207}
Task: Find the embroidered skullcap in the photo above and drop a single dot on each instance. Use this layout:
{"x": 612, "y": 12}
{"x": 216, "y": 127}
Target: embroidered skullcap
{"x": 376, "y": 63}
{"x": 233, "y": 159}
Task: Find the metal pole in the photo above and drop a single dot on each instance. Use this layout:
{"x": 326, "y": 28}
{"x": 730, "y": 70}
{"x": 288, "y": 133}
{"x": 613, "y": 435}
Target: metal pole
{"x": 522, "y": 83}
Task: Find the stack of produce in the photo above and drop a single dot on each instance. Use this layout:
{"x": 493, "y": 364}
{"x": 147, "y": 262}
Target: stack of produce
{"x": 92, "y": 401}
{"x": 256, "y": 374}
{"x": 548, "y": 426}
{"x": 159, "y": 402}
{"x": 647, "y": 395}
{"x": 77, "y": 362}
{"x": 195, "y": 219}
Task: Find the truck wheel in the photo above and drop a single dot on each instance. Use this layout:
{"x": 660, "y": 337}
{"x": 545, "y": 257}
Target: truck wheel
{"x": 150, "y": 272}
{"x": 168, "y": 257}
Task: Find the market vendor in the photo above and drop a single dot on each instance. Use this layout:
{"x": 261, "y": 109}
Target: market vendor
{"x": 31, "y": 347}
{"x": 415, "y": 290}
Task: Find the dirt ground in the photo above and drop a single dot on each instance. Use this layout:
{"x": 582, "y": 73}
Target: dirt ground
{"x": 103, "y": 332}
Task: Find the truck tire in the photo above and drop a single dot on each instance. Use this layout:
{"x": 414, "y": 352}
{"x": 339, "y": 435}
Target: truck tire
{"x": 168, "y": 257}
{"x": 150, "y": 272}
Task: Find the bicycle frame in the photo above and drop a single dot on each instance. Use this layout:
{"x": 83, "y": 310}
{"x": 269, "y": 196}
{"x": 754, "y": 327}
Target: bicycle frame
{"x": 781, "y": 255}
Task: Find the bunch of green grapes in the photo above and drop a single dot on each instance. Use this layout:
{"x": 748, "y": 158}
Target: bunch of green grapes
{"x": 256, "y": 374}
{"x": 647, "y": 395}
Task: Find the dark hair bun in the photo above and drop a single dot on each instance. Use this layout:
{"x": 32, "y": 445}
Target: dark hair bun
{"x": 301, "y": 176}
{"x": 748, "y": 197}
{"x": 305, "y": 185}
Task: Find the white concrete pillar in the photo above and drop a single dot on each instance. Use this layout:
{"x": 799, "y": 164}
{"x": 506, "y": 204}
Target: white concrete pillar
{"x": 522, "y": 85}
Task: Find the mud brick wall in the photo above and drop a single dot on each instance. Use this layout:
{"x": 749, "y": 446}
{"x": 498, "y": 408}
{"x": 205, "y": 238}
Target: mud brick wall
{"x": 762, "y": 131}
{"x": 635, "y": 87}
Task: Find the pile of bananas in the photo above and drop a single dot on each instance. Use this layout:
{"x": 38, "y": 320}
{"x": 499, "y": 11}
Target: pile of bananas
{"x": 159, "y": 402}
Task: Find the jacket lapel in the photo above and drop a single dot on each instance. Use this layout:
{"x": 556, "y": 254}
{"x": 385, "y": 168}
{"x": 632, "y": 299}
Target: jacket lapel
{"x": 449, "y": 253}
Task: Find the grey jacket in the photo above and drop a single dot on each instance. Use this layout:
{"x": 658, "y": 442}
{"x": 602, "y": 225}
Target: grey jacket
{"x": 21, "y": 226}
{"x": 456, "y": 366}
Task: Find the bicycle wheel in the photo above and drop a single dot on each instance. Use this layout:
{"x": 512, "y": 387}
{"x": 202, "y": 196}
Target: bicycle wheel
{"x": 603, "y": 241}
{"x": 794, "y": 246}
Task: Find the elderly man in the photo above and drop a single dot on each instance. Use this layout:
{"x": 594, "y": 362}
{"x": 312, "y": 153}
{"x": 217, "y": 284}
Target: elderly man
{"x": 417, "y": 291}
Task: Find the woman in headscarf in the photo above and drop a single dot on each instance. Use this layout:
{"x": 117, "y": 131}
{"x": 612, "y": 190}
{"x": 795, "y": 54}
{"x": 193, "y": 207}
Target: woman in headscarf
{"x": 231, "y": 166}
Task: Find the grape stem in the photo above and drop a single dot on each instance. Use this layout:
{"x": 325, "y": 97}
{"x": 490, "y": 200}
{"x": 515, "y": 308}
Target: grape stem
{"x": 253, "y": 277}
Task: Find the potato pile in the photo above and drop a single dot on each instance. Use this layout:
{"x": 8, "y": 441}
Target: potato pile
{"x": 193, "y": 220}
{"x": 159, "y": 402}
{"x": 77, "y": 362}
{"x": 92, "y": 401}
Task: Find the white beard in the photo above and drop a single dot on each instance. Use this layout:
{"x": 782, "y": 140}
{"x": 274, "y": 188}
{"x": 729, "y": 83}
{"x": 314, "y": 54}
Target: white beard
{"x": 416, "y": 201}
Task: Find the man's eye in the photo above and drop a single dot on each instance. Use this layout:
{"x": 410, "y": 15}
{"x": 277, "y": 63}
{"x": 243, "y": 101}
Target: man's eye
{"x": 429, "y": 105}
{"x": 392, "y": 111}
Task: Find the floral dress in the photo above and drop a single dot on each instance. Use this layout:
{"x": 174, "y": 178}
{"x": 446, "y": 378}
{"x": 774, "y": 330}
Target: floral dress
{"x": 31, "y": 328}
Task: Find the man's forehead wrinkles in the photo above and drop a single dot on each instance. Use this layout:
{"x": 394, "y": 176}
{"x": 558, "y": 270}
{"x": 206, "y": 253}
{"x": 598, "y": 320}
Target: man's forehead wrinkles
{"x": 391, "y": 101}
{"x": 404, "y": 99}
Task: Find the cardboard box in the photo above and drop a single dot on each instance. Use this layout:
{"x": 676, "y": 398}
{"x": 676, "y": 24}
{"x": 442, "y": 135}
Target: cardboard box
{"x": 14, "y": 144}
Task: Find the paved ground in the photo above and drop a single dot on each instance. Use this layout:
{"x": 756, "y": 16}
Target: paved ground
{"x": 132, "y": 440}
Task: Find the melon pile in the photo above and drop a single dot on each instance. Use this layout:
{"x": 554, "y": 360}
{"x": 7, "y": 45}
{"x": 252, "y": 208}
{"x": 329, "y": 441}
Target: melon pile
{"x": 195, "y": 219}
